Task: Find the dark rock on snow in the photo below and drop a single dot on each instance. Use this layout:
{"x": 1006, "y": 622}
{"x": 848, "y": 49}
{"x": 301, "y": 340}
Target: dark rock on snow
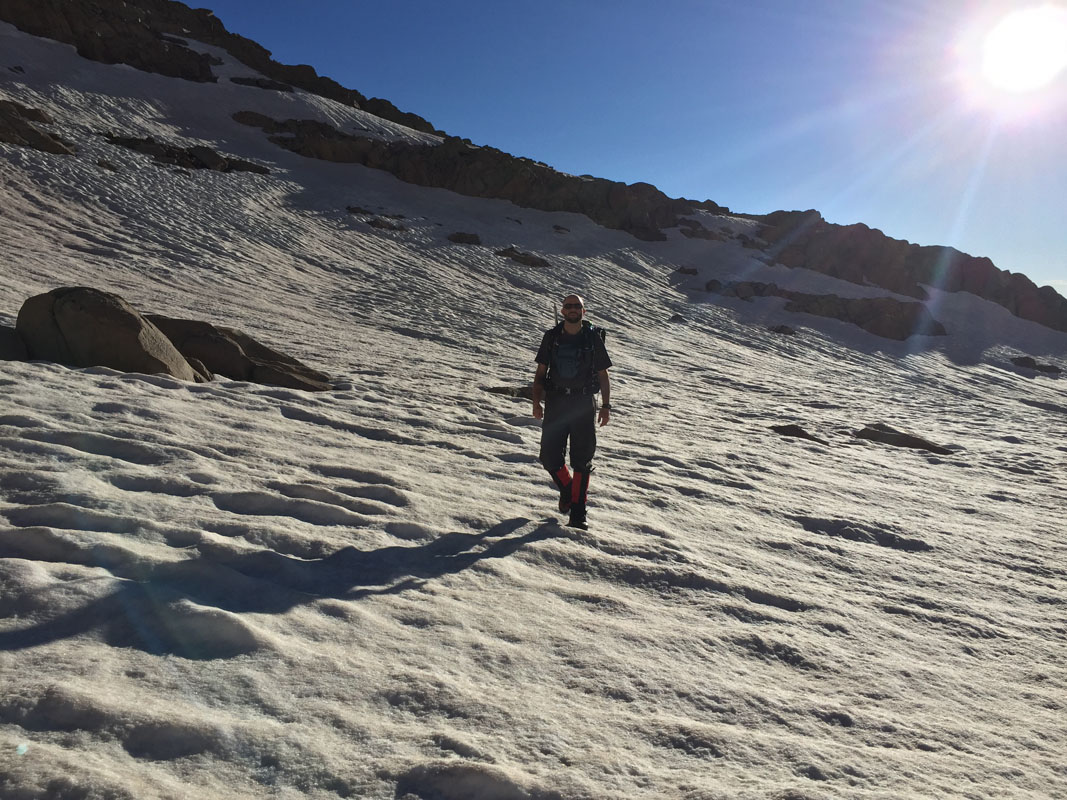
{"x": 386, "y": 225}
{"x": 263, "y": 83}
{"x": 238, "y": 356}
{"x": 527, "y": 259}
{"x": 11, "y": 345}
{"x": 879, "y": 432}
{"x": 464, "y": 238}
{"x": 1029, "y": 363}
{"x": 785, "y": 330}
{"x": 84, "y": 327}
{"x": 18, "y": 125}
{"x": 797, "y": 432}
{"x": 882, "y": 316}
{"x": 196, "y": 157}
{"x": 523, "y": 392}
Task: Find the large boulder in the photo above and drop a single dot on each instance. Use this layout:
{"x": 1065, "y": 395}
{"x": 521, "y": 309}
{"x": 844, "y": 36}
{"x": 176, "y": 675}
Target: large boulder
{"x": 11, "y": 346}
{"x": 84, "y": 327}
{"x": 237, "y": 355}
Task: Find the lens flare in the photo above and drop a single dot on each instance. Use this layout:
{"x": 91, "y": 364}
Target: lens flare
{"x": 1026, "y": 50}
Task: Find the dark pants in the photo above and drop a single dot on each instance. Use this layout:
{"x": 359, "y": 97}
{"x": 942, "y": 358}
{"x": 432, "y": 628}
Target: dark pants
{"x": 568, "y": 417}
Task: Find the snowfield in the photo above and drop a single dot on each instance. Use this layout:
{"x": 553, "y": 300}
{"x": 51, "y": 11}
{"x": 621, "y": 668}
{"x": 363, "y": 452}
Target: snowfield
{"x": 230, "y": 590}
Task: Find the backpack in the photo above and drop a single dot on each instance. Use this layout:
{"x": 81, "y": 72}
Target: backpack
{"x": 570, "y": 367}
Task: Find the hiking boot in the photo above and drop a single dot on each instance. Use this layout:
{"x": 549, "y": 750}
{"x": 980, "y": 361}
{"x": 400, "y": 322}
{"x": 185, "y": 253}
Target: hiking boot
{"x": 563, "y": 481}
{"x": 577, "y": 519}
{"x": 565, "y": 499}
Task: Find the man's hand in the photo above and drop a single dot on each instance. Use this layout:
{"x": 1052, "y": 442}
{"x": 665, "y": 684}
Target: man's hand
{"x": 538, "y": 412}
{"x": 604, "y": 416}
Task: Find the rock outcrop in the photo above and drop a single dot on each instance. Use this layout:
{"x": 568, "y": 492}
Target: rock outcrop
{"x": 795, "y": 431}
{"x": 882, "y": 316}
{"x": 18, "y": 125}
{"x": 151, "y": 36}
{"x": 640, "y": 209}
{"x": 84, "y": 327}
{"x": 1027, "y": 362}
{"x": 879, "y": 432}
{"x": 459, "y": 237}
{"x": 236, "y": 355}
{"x": 196, "y": 157}
{"x": 526, "y": 259}
{"x": 863, "y": 255}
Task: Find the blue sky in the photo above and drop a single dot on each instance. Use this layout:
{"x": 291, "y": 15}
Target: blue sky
{"x": 870, "y": 111}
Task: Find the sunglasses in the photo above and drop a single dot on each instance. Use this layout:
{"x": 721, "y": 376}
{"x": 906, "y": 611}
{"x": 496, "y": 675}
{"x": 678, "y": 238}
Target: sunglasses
{"x": 572, "y": 305}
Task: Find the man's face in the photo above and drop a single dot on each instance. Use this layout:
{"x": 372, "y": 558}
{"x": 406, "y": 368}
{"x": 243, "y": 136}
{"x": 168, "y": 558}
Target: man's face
{"x": 573, "y": 308}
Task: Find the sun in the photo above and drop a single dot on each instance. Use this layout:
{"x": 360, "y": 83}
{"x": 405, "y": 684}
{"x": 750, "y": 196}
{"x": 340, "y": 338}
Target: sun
{"x": 1026, "y": 50}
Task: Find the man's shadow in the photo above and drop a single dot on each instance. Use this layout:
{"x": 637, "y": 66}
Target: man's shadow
{"x": 181, "y": 608}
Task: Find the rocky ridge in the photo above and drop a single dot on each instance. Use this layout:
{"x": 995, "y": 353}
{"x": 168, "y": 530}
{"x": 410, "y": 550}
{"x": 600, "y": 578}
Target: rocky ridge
{"x": 639, "y": 209}
{"x": 862, "y": 255}
{"x": 147, "y": 34}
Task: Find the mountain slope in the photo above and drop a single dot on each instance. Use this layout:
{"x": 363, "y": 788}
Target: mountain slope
{"x": 229, "y": 590}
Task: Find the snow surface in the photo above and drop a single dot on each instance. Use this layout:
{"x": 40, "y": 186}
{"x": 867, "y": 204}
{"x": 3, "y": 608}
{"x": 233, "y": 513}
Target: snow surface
{"x": 229, "y": 590}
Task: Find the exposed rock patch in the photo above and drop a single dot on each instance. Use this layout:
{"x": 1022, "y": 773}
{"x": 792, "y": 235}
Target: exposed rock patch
{"x": 784, "y": 330}
{"x": 263, "y": 83}
{"x": 236, "y": 355}
{"x": 524, "y": 392}
{"x": 464, "y": 238}
{"x": 879, "y": 432}
{"x": 196, "y": 157}
{"x": 797, "y": 432}
{"x": 882, "y": 316}
{"x": 526, "y": 259}
{"x": 84, "y": 327}
{"x": 386, "y": 225}
{"x": 1027, "y": 362}
{"x": 18, "y": 125}
{"x": 864, "y": 255}
{"x": 694, "y": 229}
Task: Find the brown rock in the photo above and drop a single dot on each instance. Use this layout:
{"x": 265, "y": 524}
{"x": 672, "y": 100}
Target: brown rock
{"x": 196, "y": 157}
{"x": 797, "y": 432}
{"x": 1029, "y": 363}
{"x": 84, "y": 327}
{"x": 867, "y": 256}
{"x": 879, "y": 432}
{"x": 11, "y": 345}
{"x": 527, "y": 259}
{"x": 229, "y": 352}
{"x": 264, "y": 83}
{"x": 17, "y": 127}
{"x": 464, "y": 238}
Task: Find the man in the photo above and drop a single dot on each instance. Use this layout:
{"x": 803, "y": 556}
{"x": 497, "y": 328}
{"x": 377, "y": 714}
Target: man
{"x": 572, "y": 366}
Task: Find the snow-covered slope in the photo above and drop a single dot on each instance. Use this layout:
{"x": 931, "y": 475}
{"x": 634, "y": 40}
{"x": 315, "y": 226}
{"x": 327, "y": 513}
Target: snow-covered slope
{"x": 228, "y": 590}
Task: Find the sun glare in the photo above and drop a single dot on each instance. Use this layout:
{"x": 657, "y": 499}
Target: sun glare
{"x": 1026, "y": 50}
